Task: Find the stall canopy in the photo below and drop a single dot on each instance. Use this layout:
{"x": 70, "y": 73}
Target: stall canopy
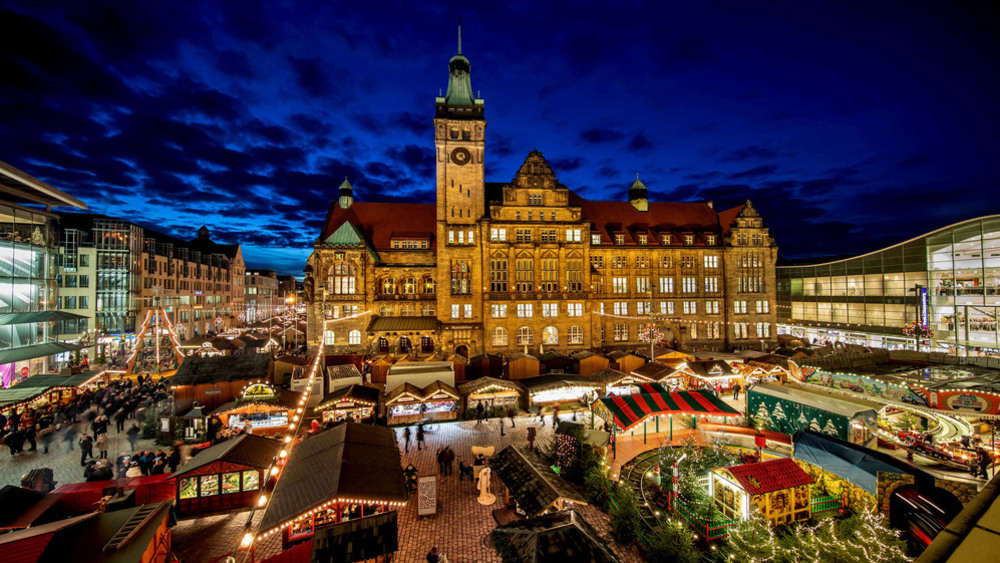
{"x": 355, "y": 462}
{"x": 851, "y": 462}
{"x": 629, "y": 410}
{"x": 42, "y": 383}
{"x": 246, "y": 449}
{"x": 565, "y": 533}
{"x": 530, "y": 480}
{"x": 353, "y": 394}
{"x": 489, "y": 385}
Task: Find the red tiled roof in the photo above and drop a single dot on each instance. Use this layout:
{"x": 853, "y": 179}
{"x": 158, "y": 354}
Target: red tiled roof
{"x": 727, "y": 217}
{"x": 768, "y": 476}
{"x": 610, "y": 217}
{"x": 378, "y": 220}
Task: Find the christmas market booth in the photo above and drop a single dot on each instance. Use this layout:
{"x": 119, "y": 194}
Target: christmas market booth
{"x": 214, "y": 381}
{"x": 340, "y": 489}
{"x": 789, "y": 408}
{"x": 130, "y": 535}
{"x": 354, "y": 403}
{"x": 484, "y": 365}
{"x": 380, "y": 368}
{"x": 492, "y": 393}
{"x": 522, "y": 366}
{"x": 778, "y": 489}
{"x": 207, "y": 346}
{"x": 565, "y": 532}
{"x": 265, "y": 407}
{"x": 529, "y": 484}
{"x": 654, "y": 402}
{"x": 625, "y": 361}
{"x": 588, "y": 362}
{"x": 226, "y": 476}
{"x": 408, "y": 404}
{"x": 559, "y": 389}
{"x": 614, "y": 382}
{"x": 49, "y": 388}
{"x": 705, "y": 374}
{"x": 556, "y": 362}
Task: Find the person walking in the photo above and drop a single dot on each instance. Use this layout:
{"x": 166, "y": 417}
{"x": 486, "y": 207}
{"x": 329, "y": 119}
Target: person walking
{"x": 555, "y": 416}
{"x": 449, "y": 457}
{"x": 440, "y": 460}
{"x": 46, "y": 435}
{"x": 120, "y": 420}
{"x": 29, "y": 436}
{"x": 500, "y": 420}
{"x": 420, "y": 437}
{"x": 718, "y": 389}
{"x": 736, "y": 391}
{"x": 480, "y": 411}
{"x": 86, "y": 448}
{"x": 133, "y": 435}
{"x": 434, "y": 557}
{"x": 406, "y": 440}
{"x": 174, "y": 459}
{"x": 102, "y": 443}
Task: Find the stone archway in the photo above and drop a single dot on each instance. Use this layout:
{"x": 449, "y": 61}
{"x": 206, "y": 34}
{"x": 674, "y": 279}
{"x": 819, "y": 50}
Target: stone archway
{"x": 426, "y": 345}
{"x": 405, "y": 346}
{"x": 382, "y": 345}
{"x": 462, "y": 350}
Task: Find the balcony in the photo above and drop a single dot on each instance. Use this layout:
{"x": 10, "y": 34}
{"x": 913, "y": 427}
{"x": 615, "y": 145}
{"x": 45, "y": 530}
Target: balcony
{"x": 401, "y": 296}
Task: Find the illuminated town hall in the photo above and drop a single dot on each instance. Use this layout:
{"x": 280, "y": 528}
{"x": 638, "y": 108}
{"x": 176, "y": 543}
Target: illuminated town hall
{"x": 504, "y": 267}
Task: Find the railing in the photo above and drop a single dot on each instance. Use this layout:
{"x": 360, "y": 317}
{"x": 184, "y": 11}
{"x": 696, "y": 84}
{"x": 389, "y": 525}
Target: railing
{"x": 711, "y": 531}
{"x": 820, "y": 505}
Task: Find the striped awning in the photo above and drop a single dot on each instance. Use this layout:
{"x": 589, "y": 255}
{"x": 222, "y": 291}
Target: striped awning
{"x": 629, "y": 410}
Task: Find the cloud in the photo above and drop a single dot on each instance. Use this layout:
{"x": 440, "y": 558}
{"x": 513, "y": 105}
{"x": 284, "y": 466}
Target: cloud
{"x": 596, "y": 136}
{"x": 756, "y": 171}
{"x": 311, "y": 77}
{"x": 640, "y": 142}
{"x": 566, "y": 164}
{"x": 753, "y": 152}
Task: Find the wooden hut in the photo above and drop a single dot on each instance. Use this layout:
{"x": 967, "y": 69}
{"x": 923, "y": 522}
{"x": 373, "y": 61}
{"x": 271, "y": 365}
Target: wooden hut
{"x": 459, "y": 365}
{"x": 555, "y": 362}
{"x": 266, "y": 408}
{"x": 522, "y": 366}
{"x": 354, "y": 402}
{"x": 564, "y": 532}
{"x": 217, "y": 380}
{"x": 625, "y": 361}
{"x": 226, "y": 476}
{"x": 778, "y": 489}
{"x": 403, "y": 405}
{"x": 558, "y": 389}
{"x": 530, "y": 484}
{"x": 343, "y": 375}
{"x": 484, "y": 365}
{"x": 614, "y": 382}
{"x": 440, "y": 401}
{"x": 588, "y": 362}
{"x": 380, "y": 368}
{"x": 492, "y": 393}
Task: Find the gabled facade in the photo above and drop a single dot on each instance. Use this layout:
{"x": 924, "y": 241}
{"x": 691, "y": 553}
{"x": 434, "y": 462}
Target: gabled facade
{"x": 528, "y": 265}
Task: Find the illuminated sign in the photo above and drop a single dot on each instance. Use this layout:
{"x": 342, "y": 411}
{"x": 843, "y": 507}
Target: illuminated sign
{"x": 924, "y": 309}
{"x": 259, "y": 392}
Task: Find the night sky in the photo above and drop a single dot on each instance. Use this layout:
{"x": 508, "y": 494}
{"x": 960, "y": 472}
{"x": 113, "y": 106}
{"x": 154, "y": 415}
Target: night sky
{"x": 849, "y": 125}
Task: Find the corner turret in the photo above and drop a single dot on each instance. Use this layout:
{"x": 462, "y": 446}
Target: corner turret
{"x": 638, "y": 195}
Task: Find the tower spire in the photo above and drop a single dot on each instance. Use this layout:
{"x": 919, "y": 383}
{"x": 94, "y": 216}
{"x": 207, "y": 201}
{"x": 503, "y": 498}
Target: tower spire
{"x": 459, "y": 35}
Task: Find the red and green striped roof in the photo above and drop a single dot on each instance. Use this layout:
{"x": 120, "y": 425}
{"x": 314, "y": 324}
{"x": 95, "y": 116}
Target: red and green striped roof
{"x": 629, "y": 410}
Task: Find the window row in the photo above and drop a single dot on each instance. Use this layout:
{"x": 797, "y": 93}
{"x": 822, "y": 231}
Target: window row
{"x": 330, "y": 338}
{"x": 525, "y": 335}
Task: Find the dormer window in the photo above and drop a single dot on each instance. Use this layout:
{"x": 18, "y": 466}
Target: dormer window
{"x": 710, "y": 240}
{"x": 535, "y": 199}
{"x": 595, "y": 239}
{"x": 642, "y": 240}
{"x": 619, "y": 239}
{"x": 688, "y": 240}
{"x": 666, "y": 240}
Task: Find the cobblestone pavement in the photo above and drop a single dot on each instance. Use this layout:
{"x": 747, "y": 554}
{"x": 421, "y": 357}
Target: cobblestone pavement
{"x": 65, "y": 464}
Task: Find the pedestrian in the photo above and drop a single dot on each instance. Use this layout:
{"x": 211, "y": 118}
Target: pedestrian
{"x": 736, "y": 391}
{"x": 984, "y": 462}
{"x": 420, "y": 437}
{"x": 46, "y": 436}
{"x": 121, "y": 466}
{"x": 512, "y": 412}
{"x": 500, "y": 420}
{"x": 133, "y": 435}
{"x": 86, "y": 448}
{"x": 434, "y": 557}
{"x": 406, "y": 440}
{"x": 440, "y": 460}
{"x": 718, "y": 389}
{"x": 29, "y": 435}
{"x": 174, "y": 459}
{"x": 70, "y": 436}
{"x": 449, "y": 457}
{"x": 102, "y": 444}
{"x": 555, "y": 416}
{"x": 480, "y": 410}
{"x": 12, "y": 441}
{"x": 120, "y": 420}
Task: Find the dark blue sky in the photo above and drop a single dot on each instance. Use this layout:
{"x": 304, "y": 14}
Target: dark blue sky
{"x": 849, "y": 124}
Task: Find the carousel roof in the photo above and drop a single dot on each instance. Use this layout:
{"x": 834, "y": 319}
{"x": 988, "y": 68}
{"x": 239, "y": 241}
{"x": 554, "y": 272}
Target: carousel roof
{"x": 629, "y": 410}
{"x": 349, "y": 461}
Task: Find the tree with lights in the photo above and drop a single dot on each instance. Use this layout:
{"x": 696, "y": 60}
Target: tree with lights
{"x": 814, "y": 425}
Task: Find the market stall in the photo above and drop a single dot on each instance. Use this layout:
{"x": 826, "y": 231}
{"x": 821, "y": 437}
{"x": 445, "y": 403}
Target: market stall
{"x": 777, "y": 489}
{"x": 559, "y": 389}
{"x": 265, "y": 408}
{"x": 588, "y": 362}
{"x": 48, "y": 388}
{"x": 440, "y": 401}
{"x": 226, "y": 476}
{"x": 614, "y": 382}
{"x": 625, "y": 362}
{"x": 404, "y": 404}
{"x": 354, "y": 403}
{"x": 523, "y": 366}
{"x": 492, "y": 393}
{"x": 530, "y": 483}
{"x": 706, "y": 374}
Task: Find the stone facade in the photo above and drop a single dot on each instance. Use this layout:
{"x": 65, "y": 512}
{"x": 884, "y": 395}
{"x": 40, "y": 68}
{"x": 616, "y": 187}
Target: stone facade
{"x": 530, "y": 265}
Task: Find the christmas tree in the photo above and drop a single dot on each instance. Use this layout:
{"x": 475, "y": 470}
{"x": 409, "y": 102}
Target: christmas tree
{"x": 763, "y": 418}
{"x": 779, "y": 417}
{"x": 830, "y": 428}
{"x": 156, "y": 346}
{"x": 814, "y": 425}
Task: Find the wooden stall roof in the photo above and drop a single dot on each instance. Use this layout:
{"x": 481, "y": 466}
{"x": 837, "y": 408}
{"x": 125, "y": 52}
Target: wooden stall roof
{"x": 436, "y": 386}
{"x": 556, "y": 380}
{"x": 21, "y": 508}
{"x": 584, "y": 354}
{"x": 610, "y": 375}
{"x": 653, "y": 370}
{"x": 343, "y": 371}
{"x": 405, "y": 389}
{"x": 629, "y": 410}
{"x": 710, "y": 368}
{"x": 286, "y": 400}
{"x": 246, "y": 449}
{"x": 50, "y": 380}
{"x": 196, "y": 370}
{"x": 768, "y": 476}
{"x": 521, "y": 356}
{"x": 476, "y": 385}
{"x": 565, "y": 533}
{"x": 531, "y": 481}
{"x": 355, "y": 392}
{"x": 349, "y": 461}
{"x": 387, "y": 359}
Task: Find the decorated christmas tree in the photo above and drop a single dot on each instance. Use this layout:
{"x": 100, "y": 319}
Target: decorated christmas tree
{"x": 763, "y": 418}
{"x": 830, "y": 428}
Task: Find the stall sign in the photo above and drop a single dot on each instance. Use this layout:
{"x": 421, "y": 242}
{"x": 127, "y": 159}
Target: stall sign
{"x": 427, "y": 495}
{"x": 211, "y": 392}
{"x": 259, "y": 392}
{"x": 440, "y": 395}
{"x": 24, "y": 371}
{"x": 968, "y": 402}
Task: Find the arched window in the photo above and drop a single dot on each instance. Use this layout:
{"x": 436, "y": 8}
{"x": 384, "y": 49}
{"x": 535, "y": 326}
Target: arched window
{"x": 525, "y": 336}
{"x": 499, "y": 336}
{"x": 406, "y": 310}
{"x": 385, "y": 311}
{"x": 354, "y": 337}
{"x": 429, "y": 284}
{"x": 341, "y": 279}
{"x": 328, "y": 338}
{"x": 410, "y": 286}
{"x": 575, "y": 335}
{"x": 550, "y": 335}
{"x": 389, "y": 286}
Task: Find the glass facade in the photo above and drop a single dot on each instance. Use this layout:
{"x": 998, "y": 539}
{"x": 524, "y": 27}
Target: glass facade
{"x": 947, "y": 281}
{"x": 118, "y": 246}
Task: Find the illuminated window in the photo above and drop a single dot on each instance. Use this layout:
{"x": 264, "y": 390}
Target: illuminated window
{"x": 525, "y": 336}
{"x": 550, "y": 335}
{"x": 354, "y": 337}
{"x": 575, "y": 335}
{"x": 499, "y": 336}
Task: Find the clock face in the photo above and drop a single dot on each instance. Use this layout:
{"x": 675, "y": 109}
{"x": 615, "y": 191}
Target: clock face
{"x": 461, "y": 156}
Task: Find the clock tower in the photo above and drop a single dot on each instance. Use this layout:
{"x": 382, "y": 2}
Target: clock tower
{"x": 459, "y": 140}
{"x": 460, "y": 143}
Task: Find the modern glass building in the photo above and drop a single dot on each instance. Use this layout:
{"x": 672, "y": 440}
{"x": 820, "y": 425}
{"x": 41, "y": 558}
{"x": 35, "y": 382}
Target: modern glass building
{"x": 944, "y": 285}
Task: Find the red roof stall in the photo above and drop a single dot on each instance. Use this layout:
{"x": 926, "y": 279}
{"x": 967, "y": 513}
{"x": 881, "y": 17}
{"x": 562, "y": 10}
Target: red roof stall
{"x": 226, "y": 476}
